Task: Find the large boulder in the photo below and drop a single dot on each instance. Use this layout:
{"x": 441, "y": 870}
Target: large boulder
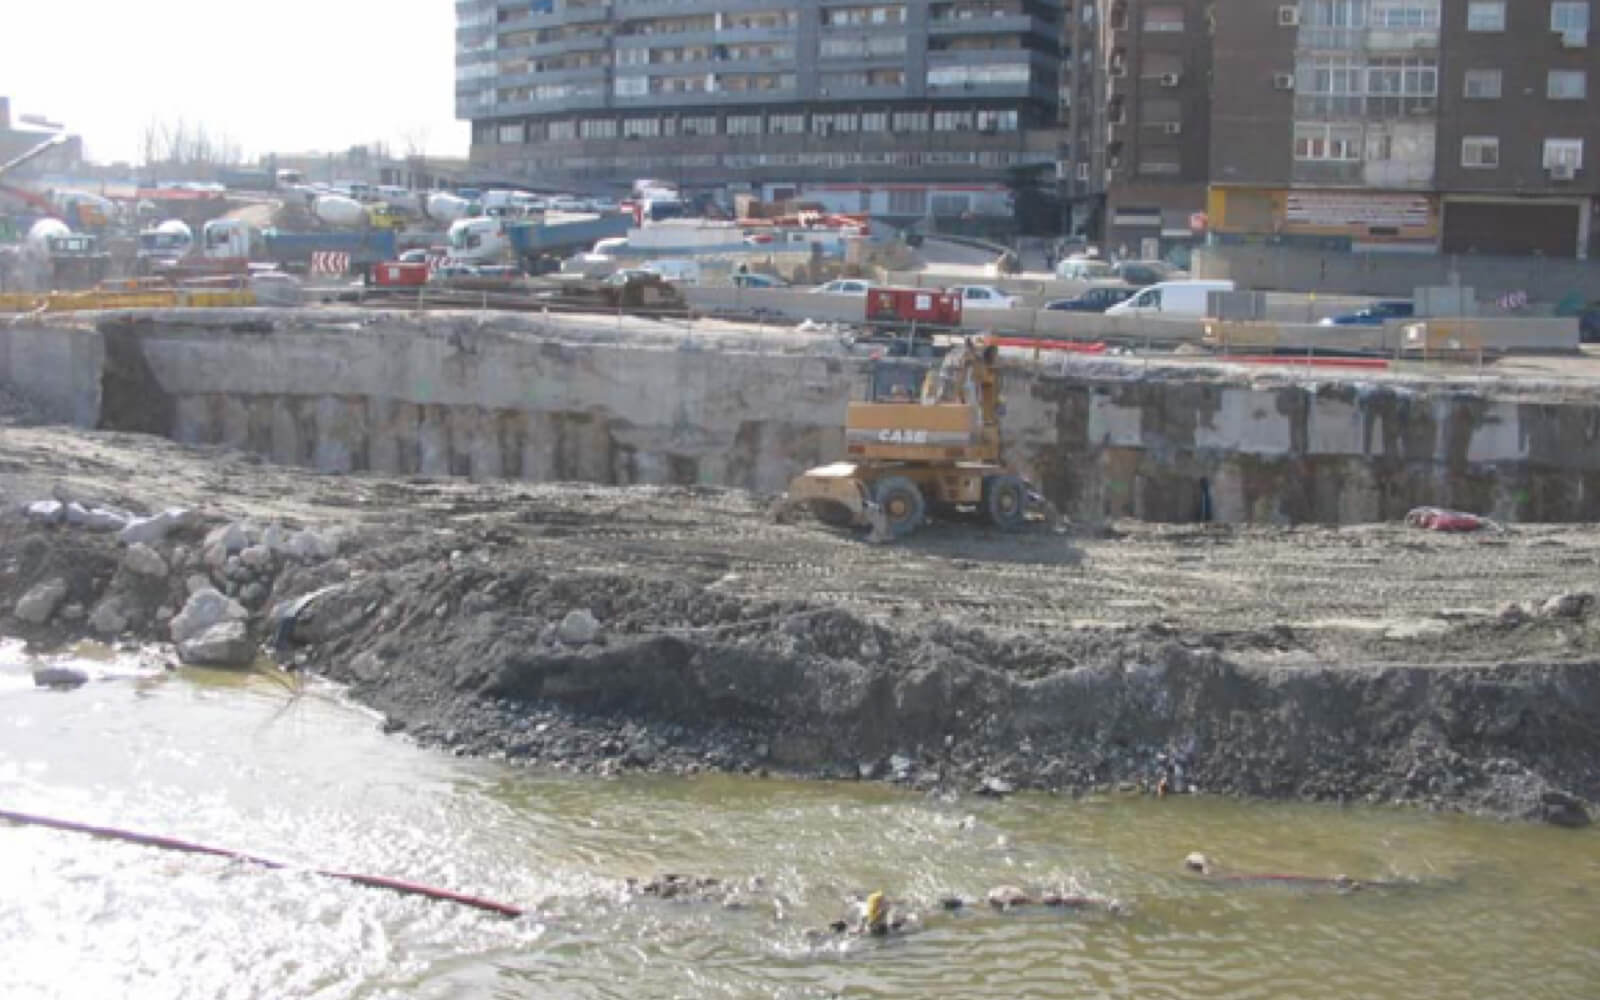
{"x": 109, "y": 617}
{"x": 96, "y": 518}
{"x": 155, "y": 528}
{"x": 308, "y": 546}
{"x": 224, "y": 644}
{"x": 144, "y": 561}
{"x": 232, "y": 538}
{"x": 41, "y": 601}
{"x": 578, "y": 628}
{"x": 204, "y": 609}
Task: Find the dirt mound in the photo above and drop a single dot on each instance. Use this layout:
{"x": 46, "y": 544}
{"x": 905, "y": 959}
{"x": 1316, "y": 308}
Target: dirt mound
{"x": 464, "y": 651}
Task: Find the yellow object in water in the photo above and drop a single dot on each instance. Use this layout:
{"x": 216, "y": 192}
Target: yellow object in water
{"x": 877, "y": 917}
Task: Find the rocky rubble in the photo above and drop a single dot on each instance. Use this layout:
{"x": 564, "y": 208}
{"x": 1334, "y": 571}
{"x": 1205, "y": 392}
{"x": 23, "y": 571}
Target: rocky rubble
{"x": 174, "y": 575}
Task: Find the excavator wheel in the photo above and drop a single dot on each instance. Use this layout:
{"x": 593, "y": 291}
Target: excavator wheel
{"x": 1005, "y": 499}
{"x": 902, "y": 505}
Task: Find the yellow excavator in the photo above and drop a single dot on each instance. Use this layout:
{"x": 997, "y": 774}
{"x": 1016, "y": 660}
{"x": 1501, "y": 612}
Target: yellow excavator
{"x": 925, "y": 438}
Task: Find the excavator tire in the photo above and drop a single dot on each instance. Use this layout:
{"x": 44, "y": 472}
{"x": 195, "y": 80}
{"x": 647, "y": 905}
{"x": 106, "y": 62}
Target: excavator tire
{"x": 1005, "y": 498}
{"x": 902, "y": 503}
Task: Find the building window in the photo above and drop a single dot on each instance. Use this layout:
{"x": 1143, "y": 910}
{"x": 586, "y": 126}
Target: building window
{"x": 875, "y": 121}
{"x": 512, "y": 134}
{"x": 997, "y": 121}
{"x": 1486, "y": 16}
{"x": 633, "y": 57}
{"x": 786, "y": 124}
{"x": 1482, "y": 84}
{"x": 640, "y": 128}
{"x": 910, "y": 121}
{"x": 1569, "y": 17}
{"x": 706, "y": 124}
{"x": 1567, "y": 85}
{"x": 632, "y": 86}
{"x": 1563, "y": 153}
{"x": 597, "y": 128}
{"x": 563, "y": 130}
{"x": 864, "y": 15}
{"x": 1318, "y": 142}
{"x": 744, "y": 124}
{"x": 1165, "y": 17}
{"x": 952, "y": 205}
{"x": 1404, "y": 15}
{"x": 967, "y": 76}
{"x": 952, "y": 121}
{"x": 908, "y": 202}
{"x": 1480, "y": 152}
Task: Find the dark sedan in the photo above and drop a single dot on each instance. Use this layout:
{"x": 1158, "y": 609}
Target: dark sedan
{"x": 1373, "y": 315}
{"x": 1093, "y": 300}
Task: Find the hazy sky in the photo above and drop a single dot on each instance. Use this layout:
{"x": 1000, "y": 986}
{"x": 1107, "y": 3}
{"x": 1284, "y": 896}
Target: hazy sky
{"x": 284, "y": 75}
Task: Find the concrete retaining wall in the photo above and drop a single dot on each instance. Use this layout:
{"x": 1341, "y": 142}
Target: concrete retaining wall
{"x": 56, "y": 369}
{"x": 540, "y": 398}
{"x": 1392, "y": 275}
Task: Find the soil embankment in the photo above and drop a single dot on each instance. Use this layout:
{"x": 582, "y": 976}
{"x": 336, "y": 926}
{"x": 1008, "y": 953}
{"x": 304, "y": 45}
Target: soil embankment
{"x": 679, "y": 629}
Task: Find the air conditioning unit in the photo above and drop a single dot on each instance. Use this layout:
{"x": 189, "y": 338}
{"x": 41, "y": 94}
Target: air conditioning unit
{"x": 1288, "y": 16}
{"x": 1283, "y": 81}
{"x": 1172, "y": 128}
{"x": 1562, "y": 171}
{"x": 1575, "y": 39}
{"x": 1169, "y": 79}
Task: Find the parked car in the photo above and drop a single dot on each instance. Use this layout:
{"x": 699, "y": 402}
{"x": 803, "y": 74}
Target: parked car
{"x": 1372, "y": 315}
{"x": 627, "y": 274}
{"x": 1085, "y": 269}
{"x": 1147, "y": 272}
{"x": 754, "y": 280}
{"x": 1187, "y": 299}
{"x": 984, "y": 297}
{"x": 1093, "y": 300}
{"x": 844, "y": 286}
{"x": 566, "y": 203}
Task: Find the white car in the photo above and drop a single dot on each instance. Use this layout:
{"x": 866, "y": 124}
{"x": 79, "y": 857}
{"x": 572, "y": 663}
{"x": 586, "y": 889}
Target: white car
{"x": 567, "y": 204}
{"x": 984, "y": 297}
{"x": 844, "y": 286}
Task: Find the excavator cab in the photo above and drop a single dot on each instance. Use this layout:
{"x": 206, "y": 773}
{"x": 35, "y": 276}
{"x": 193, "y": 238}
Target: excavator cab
{"x": 926, "y": 438}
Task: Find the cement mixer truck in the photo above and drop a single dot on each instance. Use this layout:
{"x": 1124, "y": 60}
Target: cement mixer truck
{"x": 66, "y": 259}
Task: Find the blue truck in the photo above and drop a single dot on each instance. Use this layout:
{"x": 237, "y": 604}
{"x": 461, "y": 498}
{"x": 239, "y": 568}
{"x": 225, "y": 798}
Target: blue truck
{"x": 540, "y": 246}
{"x": 365, "y": 247}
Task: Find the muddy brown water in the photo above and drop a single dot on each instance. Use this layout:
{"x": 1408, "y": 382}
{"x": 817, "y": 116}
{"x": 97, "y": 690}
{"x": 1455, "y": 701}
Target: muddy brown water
{"x": 1496, "y": 909}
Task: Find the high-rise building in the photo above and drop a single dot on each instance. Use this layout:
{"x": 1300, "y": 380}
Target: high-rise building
{"x": 1428, "y": 125}
{"x": 905, "y": 108}
{"x": 1141, "y": 125}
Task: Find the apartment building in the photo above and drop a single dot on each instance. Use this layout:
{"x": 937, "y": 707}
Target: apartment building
{"x": 1460, "y": 126}
{"x": 906, "y": 108}
{"x": 1146, "y": 178}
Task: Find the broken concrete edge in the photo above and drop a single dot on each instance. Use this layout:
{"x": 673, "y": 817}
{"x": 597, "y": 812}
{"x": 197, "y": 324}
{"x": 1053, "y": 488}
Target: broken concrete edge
{"x": 732, "y": 337}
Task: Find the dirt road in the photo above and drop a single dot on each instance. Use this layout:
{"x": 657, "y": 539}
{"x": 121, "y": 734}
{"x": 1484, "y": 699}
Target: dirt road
{"x": 1375, "y": 661}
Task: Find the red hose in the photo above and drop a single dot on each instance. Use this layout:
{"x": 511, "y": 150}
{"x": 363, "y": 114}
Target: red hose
{"x": 173, "y": 844}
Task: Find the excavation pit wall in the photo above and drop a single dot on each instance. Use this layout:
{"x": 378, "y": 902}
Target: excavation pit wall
{"x": 622, "y": 402}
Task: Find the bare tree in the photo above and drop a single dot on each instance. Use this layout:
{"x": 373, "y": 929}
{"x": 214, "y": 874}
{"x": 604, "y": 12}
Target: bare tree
{"x": 415, "y": 140}
{"x": 177, "y": 143}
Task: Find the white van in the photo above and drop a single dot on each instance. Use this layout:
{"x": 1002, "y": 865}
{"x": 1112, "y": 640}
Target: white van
{"x": 1181, "y": 299}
